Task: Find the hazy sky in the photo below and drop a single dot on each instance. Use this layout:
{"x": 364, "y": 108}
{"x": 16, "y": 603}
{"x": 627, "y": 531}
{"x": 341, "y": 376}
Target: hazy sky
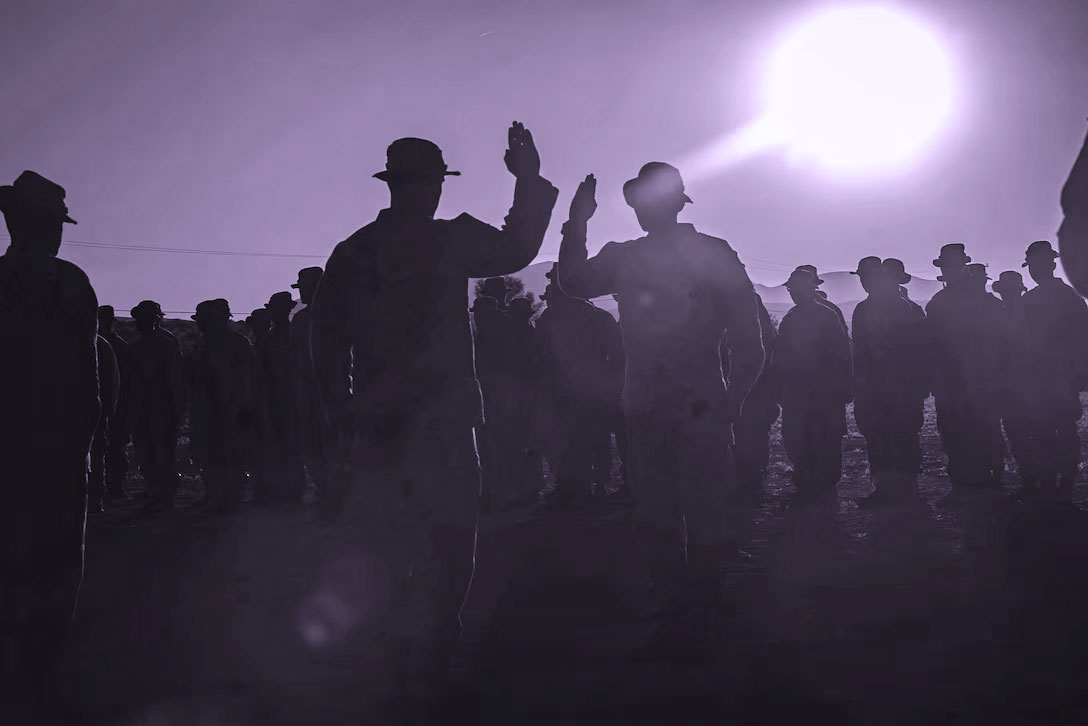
{"x": 255, "y": 125}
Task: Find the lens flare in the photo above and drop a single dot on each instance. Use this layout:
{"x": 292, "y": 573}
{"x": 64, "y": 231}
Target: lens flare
{"x": 858, "y": 89}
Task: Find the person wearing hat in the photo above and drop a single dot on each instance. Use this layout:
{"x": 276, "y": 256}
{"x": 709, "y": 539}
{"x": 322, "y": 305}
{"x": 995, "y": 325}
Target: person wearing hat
{"x": 526, "y": 396}
{"x": 576, "y": 340}
{"x": 1056, "y": 326}
{"x": 116, "y": 458}
{"x": 285, "y": 474}
{"x": 489, "y": 329}
{"x": 414, "y": 386}
{"x": 49, "y": 373}
{"x": 1016, "y": 396}
{"x": 680, "y": 292}
{"x": 812, "y": 372}
{"x": 223, "y": 413}
{"x": 890, "y": 380}
{"x": 965, "y": 327}
{"x": 155, "y": 391}
{"x": 752, "y": 430}
{"x": 259, "y": 324}
{"x": 497, "y": 288}
{"x": 821, "y": 296}
{"x": 306, "y": 394}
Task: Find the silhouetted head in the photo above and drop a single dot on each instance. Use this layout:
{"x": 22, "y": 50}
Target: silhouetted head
{"x": 895, "y": 273}
{"x": 521, "y": 309}
{"x": 495, "y": 287}
{"x": 953, "y": 263}
{"x": 147, "y": 315}
{"x": 212, "y": 316}
{"x": 871, "y": 274}
{"x": 259, "y": 321}
{"x": 657, "y": 196}
{"x": 802, "y": 286}
{"x": 977, "y": 276}
{"x": 279, "y": 308}
{"x": 1039, "y": 259}
{"x": 106, "y": 318}
{"x": 1010, "y": 286}
{"x": 35, "y": 213}
{"x": 308, "y": 277}
{"x": 414, "y": 171}
{"x": 484, "y": 304}
{"x": 812, "y": 270}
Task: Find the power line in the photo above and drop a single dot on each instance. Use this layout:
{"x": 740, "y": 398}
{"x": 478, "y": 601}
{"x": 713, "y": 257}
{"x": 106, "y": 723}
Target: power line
{"x": 183, "y": 250}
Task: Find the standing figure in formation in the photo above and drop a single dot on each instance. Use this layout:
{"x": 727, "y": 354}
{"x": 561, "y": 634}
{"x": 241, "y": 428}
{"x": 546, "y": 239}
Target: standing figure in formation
{"x": 752, "y": 431}
{"x": 1015, "y": 396}
{"x": 965, "y": 325}
{"x": 109, "y": 381}
{"x": 821, "y": 296}
{"x": 284, "y": 474}
{"x": 575, "y": 342}
{"x": 812, "y": 375}
{"x": 222, "y": 374}
{"x": 680, "y": 292}
{"x": 396, "y": 373}
{"x": 306, "y": 396}
{"x": 116, "y": 459}
{"x": 489, "y": 326}
{"x": 259, "y": 323}
{"x": 155, "y": 391}
{"x": 50, "y": 408}
{"x": 525, "y": 367}
{"x": 890, "y": 382}
{"x": 1056, "y": 326}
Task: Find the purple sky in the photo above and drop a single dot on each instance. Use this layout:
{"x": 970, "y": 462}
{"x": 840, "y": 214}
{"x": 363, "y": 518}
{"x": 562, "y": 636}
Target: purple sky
{"x": 255, "y": 125}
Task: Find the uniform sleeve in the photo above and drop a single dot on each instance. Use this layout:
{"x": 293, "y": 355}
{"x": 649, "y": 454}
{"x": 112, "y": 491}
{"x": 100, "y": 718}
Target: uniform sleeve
{"x": 743, "y": 338}
{"x": 330, "y": 328}
{"x": 840, "y": 351}
{"x": 581, "y": 276}
{"x": 489, "y": 252}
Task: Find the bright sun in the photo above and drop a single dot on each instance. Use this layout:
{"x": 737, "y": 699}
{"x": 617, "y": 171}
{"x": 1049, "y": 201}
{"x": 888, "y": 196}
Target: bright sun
{"x": 859, "y": 89}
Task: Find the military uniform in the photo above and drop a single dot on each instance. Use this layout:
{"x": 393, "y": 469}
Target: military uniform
{"x": 155, "y": 391}
{"x": 49, "y": 371}
{"x": 752, "y": 430}
{"x": 284, "y": 472}
{"x": 109, "y": 380}
{"x": 396, "y": 372}
{"x": 812, "y": 374}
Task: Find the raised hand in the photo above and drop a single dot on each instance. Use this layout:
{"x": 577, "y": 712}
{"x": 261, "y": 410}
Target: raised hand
{"x": 521, "y": 156}
{"x": 584, "y": 203}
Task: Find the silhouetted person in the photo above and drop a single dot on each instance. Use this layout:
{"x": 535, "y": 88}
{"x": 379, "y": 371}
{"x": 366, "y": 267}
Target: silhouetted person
{"x": 680, "y": 292}
{"x": 396, "y": 372}
{"x": 526, "y": 370}
{"x": 575, "y": 343}
{"x": 890, "y": 379}
{"x": 490, "y": 333}
{"x": 821, "y": 296}
{"x": 307, "y": 398}
{"x": 618, "y": 422}
{"x": 284, "y": 476}
{"x": 155, "y": 390}
{"x": 964, "y": 328}
{"x": 812, "y": 374}
{"x": 50, "y": 409}
{"x": 496, "y": 287}
{"x": 752, "y": 430}
{"x": 224, "y": 405}
{"x": 109, "y": 382}
{"x": 1056, "y": 323}
{"x": 116, "y": 459}
{"x": 260, "y": 323}
{"x": 1073, "y": 233}
{"x": 1016, "y": 395}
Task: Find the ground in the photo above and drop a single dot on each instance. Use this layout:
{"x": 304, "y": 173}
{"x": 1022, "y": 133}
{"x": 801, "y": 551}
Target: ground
{"x": 969, "y": 610}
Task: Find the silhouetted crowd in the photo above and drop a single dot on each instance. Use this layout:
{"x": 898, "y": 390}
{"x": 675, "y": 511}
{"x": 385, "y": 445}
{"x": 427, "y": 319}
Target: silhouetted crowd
{"x": 431, "y": 410}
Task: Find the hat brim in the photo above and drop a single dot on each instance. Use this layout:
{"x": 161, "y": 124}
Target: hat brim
{"x": 388, "y": 175}
{"x": 296, "y": 285}
{"x": 1052, "y": 255}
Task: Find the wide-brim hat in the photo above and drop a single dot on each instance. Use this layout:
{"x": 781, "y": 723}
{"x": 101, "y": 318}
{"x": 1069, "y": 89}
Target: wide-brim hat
{"x": 308, "y": 273}
{"x": 868, "y": 265}
{"x": 1010, "y": 281}
{"x": 656, "y": 181}
{"x": 952, "y": 254}
{"x": 107, "y": 312}
{"x": 977, "y": 268}
{"x": 412, "y": 158}
{"x": 812, "y": 269}
{"x": 896, "y": 270}
{"x": 800, "y": 278}
{"x": 483, "y": 302}
{"x": 281, "y": 300}
{"x": 1040, "y": 248}
{"x": 218, "y": 308}
{"x": 33, "y": 191}
{"x": 146, "y": 310}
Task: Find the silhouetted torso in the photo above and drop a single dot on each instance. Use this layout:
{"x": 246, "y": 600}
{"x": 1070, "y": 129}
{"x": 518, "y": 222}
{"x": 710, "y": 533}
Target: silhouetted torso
{"x": 224, "y": 399}
{"x": 1056, "y": 339}
{"x": 155, "y": 380}
{"x": 964, "y": 328}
